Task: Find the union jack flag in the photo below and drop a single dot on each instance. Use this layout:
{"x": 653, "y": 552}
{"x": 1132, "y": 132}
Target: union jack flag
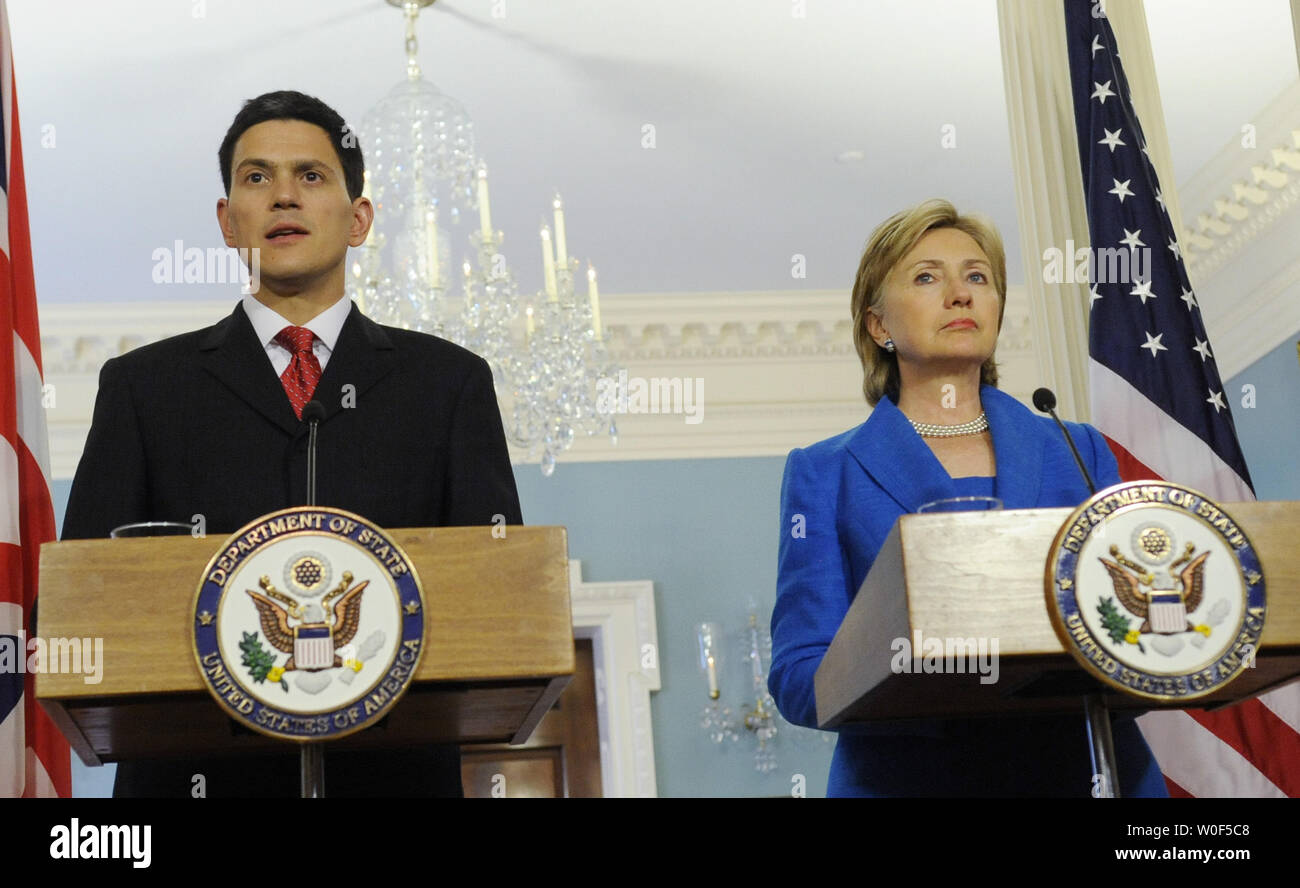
{"x": 34, "y": 758}
{"x": 1157, "y": 397}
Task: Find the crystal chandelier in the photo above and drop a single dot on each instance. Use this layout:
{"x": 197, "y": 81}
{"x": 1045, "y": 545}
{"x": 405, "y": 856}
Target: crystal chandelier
{"x": 546, "y": 350}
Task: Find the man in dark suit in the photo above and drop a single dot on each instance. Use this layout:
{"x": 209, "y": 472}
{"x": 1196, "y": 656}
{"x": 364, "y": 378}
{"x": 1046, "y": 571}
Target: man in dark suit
{"x": 209, "y": 423}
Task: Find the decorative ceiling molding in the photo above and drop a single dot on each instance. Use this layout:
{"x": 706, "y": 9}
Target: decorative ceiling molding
{"x": 767, "y": 371}
{"x": 1245, "y": 189}
{"x": 1241, "y": 247}
{"x": 1238, "y": 335}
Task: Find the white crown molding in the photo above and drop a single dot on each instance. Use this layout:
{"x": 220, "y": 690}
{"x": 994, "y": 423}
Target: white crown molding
{"x": 619, "y": 618}
{"x": 1242, "y": 191}
{"x": 779, "y": 369}
{"x": 1240, "y": 205}
{"x": 1237, "y": 335}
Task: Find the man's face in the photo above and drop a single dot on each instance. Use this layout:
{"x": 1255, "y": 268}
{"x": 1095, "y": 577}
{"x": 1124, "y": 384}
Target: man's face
{"x": 288, "y": 199}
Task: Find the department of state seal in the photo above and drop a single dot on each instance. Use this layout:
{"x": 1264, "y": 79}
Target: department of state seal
{"x": 308, "y": 624}
{"x": 1156, "y": 591}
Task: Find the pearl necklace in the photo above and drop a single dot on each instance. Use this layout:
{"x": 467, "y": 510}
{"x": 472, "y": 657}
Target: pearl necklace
{"x": 928, "y": 430}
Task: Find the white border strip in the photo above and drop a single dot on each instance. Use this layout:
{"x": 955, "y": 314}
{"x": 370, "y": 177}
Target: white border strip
{"x": 1130, "y": 419}
{"x": 1200, "y": 762}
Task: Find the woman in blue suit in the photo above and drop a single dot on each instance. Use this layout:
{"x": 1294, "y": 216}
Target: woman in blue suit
{"x": 927, "y": 306}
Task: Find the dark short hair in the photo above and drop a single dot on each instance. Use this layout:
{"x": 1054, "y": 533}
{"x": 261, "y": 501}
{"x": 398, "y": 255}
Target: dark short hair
{"x": 290, "y": 105}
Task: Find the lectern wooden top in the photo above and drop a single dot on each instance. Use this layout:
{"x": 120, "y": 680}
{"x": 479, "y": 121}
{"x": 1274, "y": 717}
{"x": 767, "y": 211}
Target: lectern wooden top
{"x": 972, "y": 575}
{"x": 497, "y": 613}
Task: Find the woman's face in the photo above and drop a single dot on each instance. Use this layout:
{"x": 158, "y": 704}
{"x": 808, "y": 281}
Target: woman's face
{"x": 940, "y": 306}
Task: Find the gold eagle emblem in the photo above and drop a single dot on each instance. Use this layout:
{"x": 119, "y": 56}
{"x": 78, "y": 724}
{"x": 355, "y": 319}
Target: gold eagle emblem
{"x": 334, "y": 624}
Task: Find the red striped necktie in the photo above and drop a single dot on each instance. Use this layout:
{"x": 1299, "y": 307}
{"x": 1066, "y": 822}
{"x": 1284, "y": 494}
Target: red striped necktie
{"x": 303, "y": 372}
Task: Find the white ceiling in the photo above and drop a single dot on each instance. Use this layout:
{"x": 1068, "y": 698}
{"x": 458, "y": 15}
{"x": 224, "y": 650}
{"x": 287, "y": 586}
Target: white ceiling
{"x": 751, "y": 107}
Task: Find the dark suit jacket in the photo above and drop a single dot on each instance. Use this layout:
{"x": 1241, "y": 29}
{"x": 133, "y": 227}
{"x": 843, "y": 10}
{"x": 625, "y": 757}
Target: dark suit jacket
{"x": 850, "y": 490}
{"x": 199, "y": 424}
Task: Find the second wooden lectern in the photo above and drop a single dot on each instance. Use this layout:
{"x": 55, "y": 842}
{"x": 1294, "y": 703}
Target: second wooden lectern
{"x": 980, "y": 575}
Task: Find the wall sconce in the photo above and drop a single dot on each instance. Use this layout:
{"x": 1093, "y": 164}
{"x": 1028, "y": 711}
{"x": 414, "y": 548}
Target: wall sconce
{"x": 716, "y": 719}
{"x": 760, "y": 720}
{"x": 759, "y": 716}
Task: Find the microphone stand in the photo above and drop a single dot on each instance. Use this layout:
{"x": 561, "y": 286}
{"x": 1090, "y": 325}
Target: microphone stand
{"x": 311, "y": 755}
{"x": 1101, "y": 742}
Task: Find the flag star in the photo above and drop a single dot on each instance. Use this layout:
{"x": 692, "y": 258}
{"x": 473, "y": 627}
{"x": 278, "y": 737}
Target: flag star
{"x": 1132, "y": 239}
{"x": 1102, "y": 92}
{"x": 1160, "y": 199}
{"x": 1216, "y": 398}
{"x": 1173, "y": 245}
{"x": 1096, "y": 44}
{"x": 1121, "y": 189}
{"x": 1143, "y": 289}
{"x": 1145, "y": 151}
{"x": 1112, "y": 139}
{"x": 1153, "y": 343}
{"x": 1203, "y": 347}
{"x": 1093, "y": 296}
{"x": 1189, "y": 298}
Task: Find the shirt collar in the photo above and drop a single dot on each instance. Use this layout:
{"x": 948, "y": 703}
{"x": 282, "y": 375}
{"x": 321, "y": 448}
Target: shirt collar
{"x": 326, "y": 326}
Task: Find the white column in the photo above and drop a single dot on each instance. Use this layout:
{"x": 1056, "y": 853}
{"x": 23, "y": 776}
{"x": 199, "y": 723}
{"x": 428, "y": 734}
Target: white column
{"x": 1049, "y": 181}
{"x": 1295, "y": 28}
{"x": 1128, "y": 19}
{"x": 1049, "y": 190}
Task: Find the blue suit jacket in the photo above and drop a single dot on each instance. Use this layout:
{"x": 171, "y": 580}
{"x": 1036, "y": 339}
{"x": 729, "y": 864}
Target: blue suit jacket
{"x": 850, "y": 490}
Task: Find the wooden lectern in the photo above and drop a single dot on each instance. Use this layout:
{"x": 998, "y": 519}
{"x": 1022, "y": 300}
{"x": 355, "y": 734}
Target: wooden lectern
{"x": 981, "y": 574}
{"x": 498, "y": 644}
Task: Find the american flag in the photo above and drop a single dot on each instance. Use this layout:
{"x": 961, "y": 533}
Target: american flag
{"x": 1158, "y": 399}
{"x": 34, "y": 759}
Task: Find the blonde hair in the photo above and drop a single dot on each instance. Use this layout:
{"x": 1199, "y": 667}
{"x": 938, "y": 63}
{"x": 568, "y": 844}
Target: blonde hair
{"x": 889, "y": 243}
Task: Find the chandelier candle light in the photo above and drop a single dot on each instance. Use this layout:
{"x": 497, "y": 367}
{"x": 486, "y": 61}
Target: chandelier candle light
{"x": 547, "y": 354}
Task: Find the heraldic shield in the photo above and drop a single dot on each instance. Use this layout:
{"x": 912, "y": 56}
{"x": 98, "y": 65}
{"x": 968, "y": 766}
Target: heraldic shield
{"x": 1156, "y": 591}
{"x": 309, "y": 624}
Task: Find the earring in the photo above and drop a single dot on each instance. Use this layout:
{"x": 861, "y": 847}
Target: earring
{"x": 889, "y": 345}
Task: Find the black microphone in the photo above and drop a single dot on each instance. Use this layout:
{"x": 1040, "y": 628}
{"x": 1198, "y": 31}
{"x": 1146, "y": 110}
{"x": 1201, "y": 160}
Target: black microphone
{"x": 312, "y": 413}
{"x": 1045, "y": 401}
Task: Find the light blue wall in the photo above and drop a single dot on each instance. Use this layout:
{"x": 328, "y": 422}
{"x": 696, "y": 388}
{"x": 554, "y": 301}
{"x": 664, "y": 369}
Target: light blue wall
{"x": 705, "y": 531}
{"x": 1270, "y": 430}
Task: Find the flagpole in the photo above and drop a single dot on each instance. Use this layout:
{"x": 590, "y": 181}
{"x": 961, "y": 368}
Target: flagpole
{"x": 1101, "y": 746}
{"x": 312, "y": 770}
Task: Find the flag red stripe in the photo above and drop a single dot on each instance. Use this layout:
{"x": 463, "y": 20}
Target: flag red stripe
{"x": 21, "y": 275}
{"x": 18, "y": 318}
{"x": 1263, "y": 739}
{"x": 36, "y": 517}
{"x": 1130, "y": 467}
{"x": 1176, "y": 791}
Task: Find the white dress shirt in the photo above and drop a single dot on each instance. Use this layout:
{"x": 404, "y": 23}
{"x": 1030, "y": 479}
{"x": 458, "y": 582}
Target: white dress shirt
{"x": 326, "y": 326}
